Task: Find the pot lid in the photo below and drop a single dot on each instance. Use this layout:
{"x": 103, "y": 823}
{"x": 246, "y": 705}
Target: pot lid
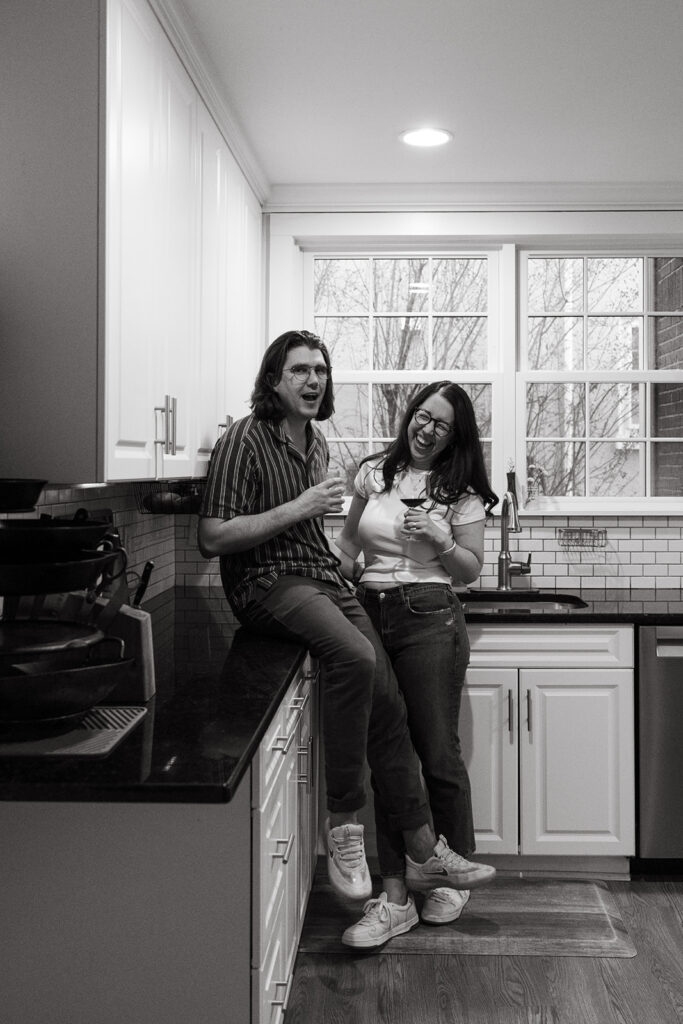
{"x": 36, "y": 636}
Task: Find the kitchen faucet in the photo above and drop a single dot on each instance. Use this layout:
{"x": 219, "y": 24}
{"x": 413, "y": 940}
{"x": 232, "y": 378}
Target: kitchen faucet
{"x": 509, "y": 523}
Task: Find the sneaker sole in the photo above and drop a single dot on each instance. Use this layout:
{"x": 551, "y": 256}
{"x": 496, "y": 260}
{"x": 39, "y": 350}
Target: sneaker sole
{"x": 473, "y": 881}
{"x": 399, "y": 929}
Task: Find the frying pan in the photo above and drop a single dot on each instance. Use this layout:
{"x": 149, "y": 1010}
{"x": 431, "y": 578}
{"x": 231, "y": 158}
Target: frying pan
{"x": 49, "y": 540}
{"x": 35, "y": 577}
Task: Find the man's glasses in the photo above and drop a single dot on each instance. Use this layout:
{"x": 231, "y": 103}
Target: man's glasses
{"x": 422, "y": 418}
{"x": 302, "y": 372}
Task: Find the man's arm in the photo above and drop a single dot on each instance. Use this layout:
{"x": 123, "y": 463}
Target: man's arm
{"x": 241, "y": 533}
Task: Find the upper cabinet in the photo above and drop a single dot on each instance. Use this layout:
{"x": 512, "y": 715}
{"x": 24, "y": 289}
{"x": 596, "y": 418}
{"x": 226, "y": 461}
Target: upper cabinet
{"x": 119, "y": 335}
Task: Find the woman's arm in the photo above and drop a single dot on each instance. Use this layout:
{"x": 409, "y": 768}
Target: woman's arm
{"x": 464, "y": 559}
{"x": 347, "y": 546}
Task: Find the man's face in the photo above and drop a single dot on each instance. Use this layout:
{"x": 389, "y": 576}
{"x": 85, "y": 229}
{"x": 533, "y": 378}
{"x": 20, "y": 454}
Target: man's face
{"x": 300, "y": 389}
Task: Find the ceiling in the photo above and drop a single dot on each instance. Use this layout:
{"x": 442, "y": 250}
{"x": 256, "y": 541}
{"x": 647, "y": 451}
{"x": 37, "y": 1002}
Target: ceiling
{"x": 534, "y": 91}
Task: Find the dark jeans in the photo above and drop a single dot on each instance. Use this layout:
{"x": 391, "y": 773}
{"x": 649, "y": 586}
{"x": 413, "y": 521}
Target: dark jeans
{"x": 423, "y": 630}
{"x": 363, "y": 710}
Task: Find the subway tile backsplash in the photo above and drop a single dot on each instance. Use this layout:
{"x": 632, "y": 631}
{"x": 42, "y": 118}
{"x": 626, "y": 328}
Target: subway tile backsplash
{"x": 639, "y": 552}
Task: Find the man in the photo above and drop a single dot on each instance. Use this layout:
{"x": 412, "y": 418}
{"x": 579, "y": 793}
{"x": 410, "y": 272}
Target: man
{"x": 266, "y": 493}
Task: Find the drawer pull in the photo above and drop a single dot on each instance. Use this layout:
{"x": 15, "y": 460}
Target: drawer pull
{"x": 302, "y": 778}
{"x": 299, "y": 703}
{"x": 286, "y": 985}
{"x": 288, "y": 849}
{"x": 511, "y": 714}
{"x": 528, "y": 710}
{"x": 283, "y": 743}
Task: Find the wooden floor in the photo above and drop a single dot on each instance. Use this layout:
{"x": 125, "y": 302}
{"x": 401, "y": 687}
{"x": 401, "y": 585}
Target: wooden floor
{"x": 385, "y": 987}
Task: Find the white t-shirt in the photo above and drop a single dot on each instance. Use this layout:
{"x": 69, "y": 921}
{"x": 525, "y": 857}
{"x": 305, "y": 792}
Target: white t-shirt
{"x": 389, "y": 557}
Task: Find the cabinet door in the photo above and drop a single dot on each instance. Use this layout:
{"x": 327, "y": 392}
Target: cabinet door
{"x": 488, "y": 733}
{"x": 177, "y": 259}
{"x": 576, "y": 761}
{"x": 134, "y": 225}
{"x": 307, "y": 797}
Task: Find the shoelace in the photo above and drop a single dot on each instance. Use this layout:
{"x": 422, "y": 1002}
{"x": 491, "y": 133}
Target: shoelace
{"x": 350, "y": 849}
{"x": 376, "y": 909}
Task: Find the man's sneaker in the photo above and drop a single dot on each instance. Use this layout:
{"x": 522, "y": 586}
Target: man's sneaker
{"x": 446, "y": 869}
{"x": 444, "y": 905}
{"x": 346, "y": 865}
{"x": 380, "y": 922}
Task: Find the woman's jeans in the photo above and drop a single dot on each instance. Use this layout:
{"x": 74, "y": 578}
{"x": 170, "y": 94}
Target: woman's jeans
{"x": 423, "y": 630}
{"x": 363, "y": 710}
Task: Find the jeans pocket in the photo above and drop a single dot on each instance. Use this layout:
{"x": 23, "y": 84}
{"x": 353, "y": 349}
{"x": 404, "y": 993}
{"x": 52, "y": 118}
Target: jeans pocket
{"x": 434, "y": 603}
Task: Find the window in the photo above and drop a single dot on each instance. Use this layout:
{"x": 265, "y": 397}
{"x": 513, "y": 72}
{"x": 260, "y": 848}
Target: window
{"x": 600, "y": 388}
{"x": 394, "y": 323}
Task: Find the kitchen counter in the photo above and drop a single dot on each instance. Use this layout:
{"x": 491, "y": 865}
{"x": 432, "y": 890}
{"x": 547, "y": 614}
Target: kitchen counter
{"x": 218, "y": 687}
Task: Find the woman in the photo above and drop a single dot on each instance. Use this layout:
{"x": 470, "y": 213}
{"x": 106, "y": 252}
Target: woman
{"x": 412, "y": 556}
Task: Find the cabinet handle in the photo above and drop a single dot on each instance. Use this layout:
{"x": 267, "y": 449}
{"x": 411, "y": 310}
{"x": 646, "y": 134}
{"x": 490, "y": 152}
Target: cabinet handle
{"x": 528, "y": 710}
{"x": 302, "y": 777}
{"x": 283, "y": 743}
{"x": 288, "y": 849}
{"x": 299, "y": 703}
{"x": 166, "y": 410}
{"x": 173, "y": 414}
{"x": 511, "y": 714}
{"x": 286, "y": 985}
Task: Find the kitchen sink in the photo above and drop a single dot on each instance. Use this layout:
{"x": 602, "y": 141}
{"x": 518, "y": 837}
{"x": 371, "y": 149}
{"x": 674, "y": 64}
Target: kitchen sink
{"x": 515, "y": 602}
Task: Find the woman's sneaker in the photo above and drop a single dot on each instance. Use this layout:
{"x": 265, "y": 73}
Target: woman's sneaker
{"x": 347, "y": 867}
{"x": 380, "y": 922}
{"x": 446, "y": 869}
{"x": 444, "y": 905}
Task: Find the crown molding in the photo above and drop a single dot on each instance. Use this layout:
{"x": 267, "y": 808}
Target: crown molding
{"x": 176, "y": 24}
{"x": 475, "y": 197}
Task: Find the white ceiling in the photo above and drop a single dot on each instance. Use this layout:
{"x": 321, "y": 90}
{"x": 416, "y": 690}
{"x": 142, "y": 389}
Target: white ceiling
{"x": 534, "y": 91}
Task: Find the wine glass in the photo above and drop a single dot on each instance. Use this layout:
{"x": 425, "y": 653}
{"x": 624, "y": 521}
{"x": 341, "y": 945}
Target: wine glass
{"x": 412, "y": 503}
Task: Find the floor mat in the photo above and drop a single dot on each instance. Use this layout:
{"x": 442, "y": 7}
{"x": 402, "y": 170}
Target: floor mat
{"x": 513, "y": 917}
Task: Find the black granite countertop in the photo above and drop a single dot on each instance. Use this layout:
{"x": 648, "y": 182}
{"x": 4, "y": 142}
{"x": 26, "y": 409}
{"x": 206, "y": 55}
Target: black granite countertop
{"x": 218, "y": 687}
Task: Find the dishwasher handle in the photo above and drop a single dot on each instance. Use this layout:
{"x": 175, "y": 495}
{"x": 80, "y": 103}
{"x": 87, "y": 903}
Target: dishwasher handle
{"x": 669, "y": 641}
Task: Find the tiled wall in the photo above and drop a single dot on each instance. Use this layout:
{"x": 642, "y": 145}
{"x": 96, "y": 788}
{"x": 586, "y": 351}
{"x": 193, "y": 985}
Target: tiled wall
{"x": 639, "y": 551}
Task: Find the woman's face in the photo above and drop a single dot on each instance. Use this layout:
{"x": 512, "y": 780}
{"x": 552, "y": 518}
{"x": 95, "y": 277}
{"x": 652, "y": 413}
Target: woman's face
{"x": 427, "y": 441}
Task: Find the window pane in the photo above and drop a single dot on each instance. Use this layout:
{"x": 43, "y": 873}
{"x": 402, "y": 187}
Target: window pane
{"x": 401, "y": 286}
{"x": 667, "y": 470}
{"x": 389, "y": 403}
{"x": 460, "y": 343}
{"x": 614, "y": 410}
{"x": 344, "y": 459}
{"x": 555, "y": 343}
{"x": 400, "y": 343}
{"x": 350, "y": 417}
{"x": 460, "y": 286}
{"x": 615, "y": 470}
{"x": 556, "y": 410}
{"x": 613, "y": 343}
{"x": 667, "y": 409}
{"x": 346, "y": 340}
{"x": 559, "y": 467}
{"x": 480, "y": 396}
{"x": 555, "y": 285}
{"x": 340, "y": 286}
{"x": 668, "y": 283}
{"x": 666, "y": 343}
{"x": 614, "y": 284}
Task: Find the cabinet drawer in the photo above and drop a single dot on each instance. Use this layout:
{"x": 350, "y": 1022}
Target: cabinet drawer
{"x": 270, "y": 979}
{"x": 520, "y": 646}
{"x": 275, "y": 828}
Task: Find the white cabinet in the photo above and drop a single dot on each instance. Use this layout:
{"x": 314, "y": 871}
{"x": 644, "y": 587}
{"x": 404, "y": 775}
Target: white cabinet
{"x": 128, "y": 220}
{"x": 547, "y": 728}
{"x": 284, "y": 837}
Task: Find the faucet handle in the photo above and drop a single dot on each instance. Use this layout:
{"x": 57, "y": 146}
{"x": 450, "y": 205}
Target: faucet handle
{"x": 525, "y": 567}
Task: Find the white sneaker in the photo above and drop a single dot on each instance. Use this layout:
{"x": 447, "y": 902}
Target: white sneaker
{"x": 444, "y": 905}
{"x": 446, "y": 868}
{"x": 380, "y": 922}
{"x": 347, "y": 867}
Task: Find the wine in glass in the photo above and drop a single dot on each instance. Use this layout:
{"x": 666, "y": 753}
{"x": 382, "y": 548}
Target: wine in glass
{"x": 412, "y": 503}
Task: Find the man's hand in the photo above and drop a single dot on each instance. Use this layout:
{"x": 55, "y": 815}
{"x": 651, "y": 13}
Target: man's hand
{"x": 322, "y": 499}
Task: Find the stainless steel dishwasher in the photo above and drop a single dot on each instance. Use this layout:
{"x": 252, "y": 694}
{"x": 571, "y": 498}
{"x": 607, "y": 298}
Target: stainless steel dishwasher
{"x": 660, "y": 734}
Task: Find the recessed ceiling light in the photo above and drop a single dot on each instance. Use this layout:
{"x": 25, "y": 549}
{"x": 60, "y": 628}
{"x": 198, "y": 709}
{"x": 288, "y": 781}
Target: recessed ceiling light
{"x": 425, "y": 136}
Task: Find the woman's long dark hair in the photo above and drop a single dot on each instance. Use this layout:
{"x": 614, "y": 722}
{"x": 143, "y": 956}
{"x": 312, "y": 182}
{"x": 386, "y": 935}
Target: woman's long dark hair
{"x": 265, "y": 401}
{"x": 460, "y": 467}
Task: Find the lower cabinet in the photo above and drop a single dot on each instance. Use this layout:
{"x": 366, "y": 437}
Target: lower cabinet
{"x": 547, "y": 728}
{"x": 284, "y": 830}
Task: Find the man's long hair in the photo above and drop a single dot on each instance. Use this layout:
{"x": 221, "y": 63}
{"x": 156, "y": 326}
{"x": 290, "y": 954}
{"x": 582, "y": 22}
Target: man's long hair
{"x": 265, "y": 401}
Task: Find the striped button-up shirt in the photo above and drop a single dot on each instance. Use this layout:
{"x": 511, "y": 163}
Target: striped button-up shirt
{"x": 255, "y": 467}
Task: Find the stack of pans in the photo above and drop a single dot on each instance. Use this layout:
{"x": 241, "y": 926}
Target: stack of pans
{"x": 52, "y": 671}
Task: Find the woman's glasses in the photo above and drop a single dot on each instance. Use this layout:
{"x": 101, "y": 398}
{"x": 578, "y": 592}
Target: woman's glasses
{"x": 423, "y": 419}
{"x": 302, "y": 372}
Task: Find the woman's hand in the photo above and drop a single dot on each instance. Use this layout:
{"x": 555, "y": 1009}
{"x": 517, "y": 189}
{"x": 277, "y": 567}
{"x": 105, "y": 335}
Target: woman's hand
{"x": 417, "y": 525}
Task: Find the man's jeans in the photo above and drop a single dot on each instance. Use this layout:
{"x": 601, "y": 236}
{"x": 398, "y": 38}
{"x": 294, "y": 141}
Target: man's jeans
{"x": 423, "y": 630}
{"x": 363, "y": 710}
